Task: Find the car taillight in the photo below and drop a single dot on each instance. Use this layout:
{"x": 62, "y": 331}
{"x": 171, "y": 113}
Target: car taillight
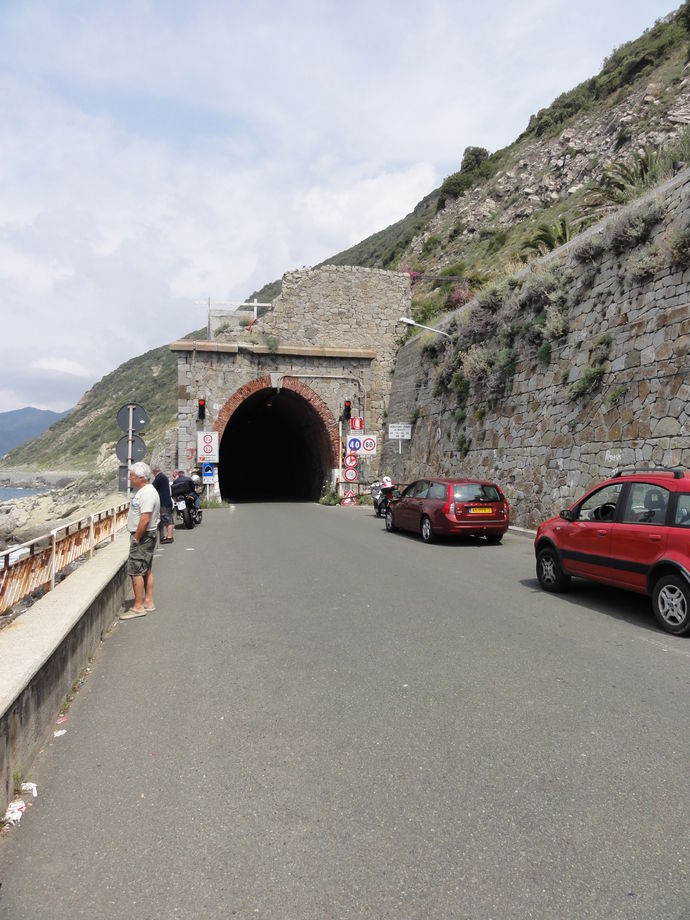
{"x": 449, "y": 507}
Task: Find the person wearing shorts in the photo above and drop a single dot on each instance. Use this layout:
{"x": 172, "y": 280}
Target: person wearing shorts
{"x": 142, "y": 524}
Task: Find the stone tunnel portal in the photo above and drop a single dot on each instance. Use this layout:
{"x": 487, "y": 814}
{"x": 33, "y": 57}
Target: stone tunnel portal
{"x": 275, "y": 446}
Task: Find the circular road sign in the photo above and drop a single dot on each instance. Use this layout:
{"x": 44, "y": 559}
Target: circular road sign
{"x": 139, "y": 418}
{"x": 354, "y": 444}
{"x": 369, "y": 444}
{"x": 350, "y": 460}
{"x": 350, "y": 475}
{"x": 138, "y": 449}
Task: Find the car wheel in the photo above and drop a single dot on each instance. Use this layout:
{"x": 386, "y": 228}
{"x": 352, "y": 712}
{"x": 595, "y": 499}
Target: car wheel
{"x": 427, "y": 530}
{"x": 390, "y": 526}
{"x": 671, "y": 604}
{"x": 549, "y": 572}
{"x": 494, "y": 538}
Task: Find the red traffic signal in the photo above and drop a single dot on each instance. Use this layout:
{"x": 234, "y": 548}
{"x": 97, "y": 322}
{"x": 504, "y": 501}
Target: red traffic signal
{"x": 347, "y": 410}
{"x": 202, "y": 408}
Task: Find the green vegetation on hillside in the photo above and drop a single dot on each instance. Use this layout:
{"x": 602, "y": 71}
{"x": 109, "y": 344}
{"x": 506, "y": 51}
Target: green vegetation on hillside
{"x": 626, "y": 64}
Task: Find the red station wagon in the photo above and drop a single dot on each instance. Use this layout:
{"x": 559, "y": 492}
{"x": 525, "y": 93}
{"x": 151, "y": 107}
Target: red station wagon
{"x": 631, "y": 531}
{"x": 450, "y": 507}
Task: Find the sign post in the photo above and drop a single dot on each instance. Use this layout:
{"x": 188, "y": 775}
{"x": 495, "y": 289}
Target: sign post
{"x": 401, "y": 431}
{"x": 207, "y": 478}
{"x": 130, "y": 448}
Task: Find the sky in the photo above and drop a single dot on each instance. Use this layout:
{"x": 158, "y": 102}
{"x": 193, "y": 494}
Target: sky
{"x": 156, "y": 153}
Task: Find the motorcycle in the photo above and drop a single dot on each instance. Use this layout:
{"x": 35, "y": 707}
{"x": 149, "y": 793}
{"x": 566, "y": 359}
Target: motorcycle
{"x": 381, "y": 494}
{"x": 185, "y": 503}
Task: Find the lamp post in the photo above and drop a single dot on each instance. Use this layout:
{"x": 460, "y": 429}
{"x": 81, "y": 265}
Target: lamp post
{"x": 411, "y": 322}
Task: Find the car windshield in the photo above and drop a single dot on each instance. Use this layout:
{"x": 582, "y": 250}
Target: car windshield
{"x": 475, "y": 492}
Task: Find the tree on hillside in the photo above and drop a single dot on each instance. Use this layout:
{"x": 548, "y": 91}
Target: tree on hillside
{"x": 549, "y": 236}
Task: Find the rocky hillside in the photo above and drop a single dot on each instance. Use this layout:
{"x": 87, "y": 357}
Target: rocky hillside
{"x": 593, "y": 149}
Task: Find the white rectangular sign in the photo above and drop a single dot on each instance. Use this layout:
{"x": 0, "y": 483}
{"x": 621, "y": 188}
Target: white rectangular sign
{"x": 207, "y": 446}
{"x": 400, "y": 431}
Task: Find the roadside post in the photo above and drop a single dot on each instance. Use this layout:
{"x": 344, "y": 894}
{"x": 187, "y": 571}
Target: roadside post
{"x": 130, "y": 448}
{"x": 208, "y": 478}
{"x": 401, "y": 431}
{"x": 207, "y": 453}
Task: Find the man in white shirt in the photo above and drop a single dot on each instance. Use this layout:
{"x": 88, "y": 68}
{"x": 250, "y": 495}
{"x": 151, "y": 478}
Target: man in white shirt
{"x": 142, "y": 524}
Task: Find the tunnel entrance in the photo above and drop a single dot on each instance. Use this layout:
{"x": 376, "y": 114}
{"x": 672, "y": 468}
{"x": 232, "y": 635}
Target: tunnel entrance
{"x": 275, "y": 447}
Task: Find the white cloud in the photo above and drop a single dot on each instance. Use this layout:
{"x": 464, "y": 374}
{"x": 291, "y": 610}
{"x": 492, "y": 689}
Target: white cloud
{"x": 157, "y": 154}
{"x": 61, "y": 366}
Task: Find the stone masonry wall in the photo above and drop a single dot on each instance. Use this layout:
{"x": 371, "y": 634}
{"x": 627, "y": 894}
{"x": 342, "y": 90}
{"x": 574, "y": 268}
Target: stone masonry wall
{"x": 345, "y": 319}
{"x": 628, "y": 315}
{"x": 344, "y": 307}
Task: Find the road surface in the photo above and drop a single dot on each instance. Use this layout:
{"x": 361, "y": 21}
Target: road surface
{"x": 323, "y": 720}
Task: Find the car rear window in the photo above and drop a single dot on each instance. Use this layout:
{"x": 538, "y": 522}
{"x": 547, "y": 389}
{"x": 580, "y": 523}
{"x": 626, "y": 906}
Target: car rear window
{"x": 438, "y": 490}
{"x": 646, "y": 504}
{"x": 475, "y": 492}
{"x": 683, "y": 511}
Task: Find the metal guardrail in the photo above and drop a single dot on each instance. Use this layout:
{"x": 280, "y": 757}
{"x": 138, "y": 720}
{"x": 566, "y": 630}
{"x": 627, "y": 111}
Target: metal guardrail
{"x": 36, "y": 564}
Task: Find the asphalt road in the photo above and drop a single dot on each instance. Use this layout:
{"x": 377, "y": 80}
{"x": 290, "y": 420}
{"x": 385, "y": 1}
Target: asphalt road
{"x": 323, "y": 720}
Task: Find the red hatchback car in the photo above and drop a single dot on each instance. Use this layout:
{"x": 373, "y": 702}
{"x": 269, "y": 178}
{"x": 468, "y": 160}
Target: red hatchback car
{"x": 450, "y": 507}
{"x": 631, "y": 531}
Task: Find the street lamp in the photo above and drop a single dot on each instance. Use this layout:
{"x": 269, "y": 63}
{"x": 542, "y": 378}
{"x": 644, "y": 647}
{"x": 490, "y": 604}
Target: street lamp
{"x": 411, "y": 322}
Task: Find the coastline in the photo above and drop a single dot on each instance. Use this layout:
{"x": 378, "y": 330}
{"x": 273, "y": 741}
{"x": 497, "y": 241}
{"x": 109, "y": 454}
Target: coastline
{"x": 38, "y": 479}
{"x": 64, "y": 497}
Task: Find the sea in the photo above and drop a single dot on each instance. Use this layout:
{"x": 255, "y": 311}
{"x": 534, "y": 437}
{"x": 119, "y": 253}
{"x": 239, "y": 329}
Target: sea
{"x": 7, "y": 494}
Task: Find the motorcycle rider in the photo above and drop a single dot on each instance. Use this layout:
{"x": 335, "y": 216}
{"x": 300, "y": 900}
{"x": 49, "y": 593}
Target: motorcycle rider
{"x": 188, "y": 481}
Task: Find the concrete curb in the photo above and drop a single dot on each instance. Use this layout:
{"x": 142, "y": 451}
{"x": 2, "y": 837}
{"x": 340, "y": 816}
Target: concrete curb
{"x": 45, "y": 649}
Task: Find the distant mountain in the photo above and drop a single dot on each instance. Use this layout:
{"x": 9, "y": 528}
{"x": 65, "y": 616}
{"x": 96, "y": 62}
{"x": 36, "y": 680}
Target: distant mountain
{"x": 21, "y": 425}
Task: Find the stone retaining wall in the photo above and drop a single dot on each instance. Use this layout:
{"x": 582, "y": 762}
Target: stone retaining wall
{"x": 542, "y": 443}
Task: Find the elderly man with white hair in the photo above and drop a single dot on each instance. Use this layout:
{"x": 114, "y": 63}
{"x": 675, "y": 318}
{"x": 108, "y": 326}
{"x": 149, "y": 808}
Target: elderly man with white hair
{"x": 142, "y": 524}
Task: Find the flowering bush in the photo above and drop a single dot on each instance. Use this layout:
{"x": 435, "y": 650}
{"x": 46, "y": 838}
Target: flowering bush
{"x": 458, "y": 295}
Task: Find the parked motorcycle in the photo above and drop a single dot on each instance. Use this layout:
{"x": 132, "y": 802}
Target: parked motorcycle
{"x": 381, "y": 493}
{"x": 185, "y": 502}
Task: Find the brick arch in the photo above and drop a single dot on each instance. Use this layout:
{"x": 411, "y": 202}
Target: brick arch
{"x": 330, "y": 423}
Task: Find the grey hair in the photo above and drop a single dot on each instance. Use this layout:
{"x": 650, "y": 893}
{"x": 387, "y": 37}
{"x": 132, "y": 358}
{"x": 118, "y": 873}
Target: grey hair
{"x": 142, "y": 469}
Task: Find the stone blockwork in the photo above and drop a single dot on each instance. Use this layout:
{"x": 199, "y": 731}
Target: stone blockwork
{"x": 332, "y": 334}
{"x": 625, "y": 306}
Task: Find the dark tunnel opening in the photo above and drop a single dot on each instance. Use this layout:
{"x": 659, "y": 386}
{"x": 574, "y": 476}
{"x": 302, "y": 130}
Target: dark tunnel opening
{"x": 275, "y": 447}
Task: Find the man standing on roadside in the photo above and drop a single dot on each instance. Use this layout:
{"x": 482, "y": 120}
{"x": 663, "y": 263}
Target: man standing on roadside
{"x": 142, "y": 524}
{"x": 161, "y": 484}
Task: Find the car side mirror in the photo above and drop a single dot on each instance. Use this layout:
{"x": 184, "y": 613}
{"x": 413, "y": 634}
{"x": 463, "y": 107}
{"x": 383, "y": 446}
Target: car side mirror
{"x": 567, "y": 515}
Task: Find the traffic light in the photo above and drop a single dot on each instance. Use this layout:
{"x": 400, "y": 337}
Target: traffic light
{"x": 347, "y": 410}
{"x": 202, "y": 408}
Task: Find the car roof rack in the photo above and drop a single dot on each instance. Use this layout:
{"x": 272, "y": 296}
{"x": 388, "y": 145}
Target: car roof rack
{"x": 677, "y": 472}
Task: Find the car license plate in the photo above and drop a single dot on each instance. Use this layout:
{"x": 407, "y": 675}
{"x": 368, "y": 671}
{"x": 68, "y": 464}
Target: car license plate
{"x": 181, "y": 506}
{"x": 482, "y": 510}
